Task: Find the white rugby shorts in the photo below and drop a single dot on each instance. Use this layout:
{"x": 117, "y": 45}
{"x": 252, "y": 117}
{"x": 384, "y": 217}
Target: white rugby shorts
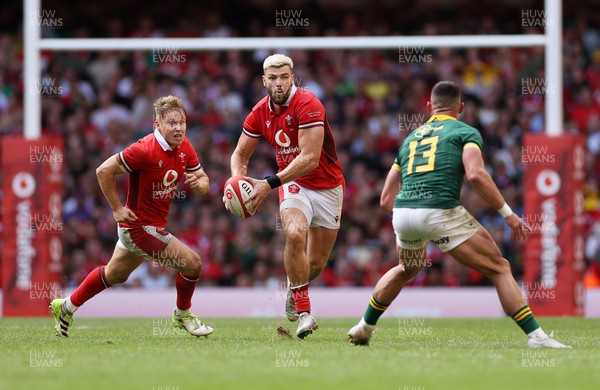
{"x": 145, "y": 241}
{"x": 446, "y": 228}
{"x": 320, "y": 207}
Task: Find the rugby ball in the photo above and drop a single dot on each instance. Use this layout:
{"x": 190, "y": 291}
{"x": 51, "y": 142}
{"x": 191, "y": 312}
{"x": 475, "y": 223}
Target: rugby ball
{"x": 236, "y": 191}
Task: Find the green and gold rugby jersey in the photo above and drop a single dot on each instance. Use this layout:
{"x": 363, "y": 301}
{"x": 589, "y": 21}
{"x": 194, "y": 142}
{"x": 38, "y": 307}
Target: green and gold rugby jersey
{"x": 430, "y": 161}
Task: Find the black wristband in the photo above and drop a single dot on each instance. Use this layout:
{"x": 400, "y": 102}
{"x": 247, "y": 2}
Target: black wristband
{"x": 274, "y": 181}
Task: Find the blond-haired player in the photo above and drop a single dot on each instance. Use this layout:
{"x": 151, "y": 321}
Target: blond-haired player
{"x": 155, "y": 164}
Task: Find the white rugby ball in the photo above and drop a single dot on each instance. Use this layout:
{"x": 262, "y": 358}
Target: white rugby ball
{"x": 237, "y": 190}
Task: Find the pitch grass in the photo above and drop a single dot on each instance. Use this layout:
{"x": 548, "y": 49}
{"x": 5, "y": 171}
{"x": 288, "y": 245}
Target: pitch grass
{"x": 408, "y": 354}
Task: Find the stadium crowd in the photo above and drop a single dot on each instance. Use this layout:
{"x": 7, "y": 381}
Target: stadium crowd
{"x": 100, "y": 102}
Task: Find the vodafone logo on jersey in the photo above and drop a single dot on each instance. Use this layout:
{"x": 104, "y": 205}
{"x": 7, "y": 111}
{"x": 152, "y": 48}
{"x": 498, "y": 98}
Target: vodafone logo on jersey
{"x": 548, "y": 182}
{"x": 282, "y": 139}
{"x": 170, "y": 177}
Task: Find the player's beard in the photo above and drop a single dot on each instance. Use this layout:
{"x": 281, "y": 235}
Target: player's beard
{"x": 279, "y": 99}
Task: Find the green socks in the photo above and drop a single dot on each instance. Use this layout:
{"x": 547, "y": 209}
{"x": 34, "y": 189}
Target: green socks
{"x": 525, "y": 319}
{"x": 374, "y": 311}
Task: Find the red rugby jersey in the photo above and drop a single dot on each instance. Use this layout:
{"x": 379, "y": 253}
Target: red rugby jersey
{"x": 302, "y": 111}
{"x": 154, "y": 172}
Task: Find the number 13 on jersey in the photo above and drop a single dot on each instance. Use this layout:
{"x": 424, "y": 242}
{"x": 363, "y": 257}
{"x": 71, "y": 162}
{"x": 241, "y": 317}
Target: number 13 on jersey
{"x": 429, "y": 153}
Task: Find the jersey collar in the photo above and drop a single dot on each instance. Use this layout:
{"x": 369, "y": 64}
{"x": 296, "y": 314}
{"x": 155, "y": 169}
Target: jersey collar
{"x": 162, "y": 141}
{"x": 440, "y": 117}
{"x": 287, "y": 102}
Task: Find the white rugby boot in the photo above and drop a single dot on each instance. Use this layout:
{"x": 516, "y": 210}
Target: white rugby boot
{"x": 360, "y": 334}
{"x": 192, "y": 324}
{"x": 306, "y": 325}
{"x": 546, "y": 341}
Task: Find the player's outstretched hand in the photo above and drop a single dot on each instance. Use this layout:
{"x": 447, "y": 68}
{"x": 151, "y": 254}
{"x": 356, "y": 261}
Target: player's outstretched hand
{"x": 518, "y": 226}
{"x": 259, "y": 193}
{"x": 123, "y": 214}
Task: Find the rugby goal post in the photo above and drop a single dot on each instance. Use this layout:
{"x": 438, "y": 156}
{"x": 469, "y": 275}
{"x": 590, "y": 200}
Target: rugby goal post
{"x": 34, "y": 44}
{"x": 551, "y": 41}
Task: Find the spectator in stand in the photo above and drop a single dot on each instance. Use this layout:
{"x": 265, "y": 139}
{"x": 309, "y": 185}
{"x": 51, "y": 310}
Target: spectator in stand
{"x": 356, "y": 88}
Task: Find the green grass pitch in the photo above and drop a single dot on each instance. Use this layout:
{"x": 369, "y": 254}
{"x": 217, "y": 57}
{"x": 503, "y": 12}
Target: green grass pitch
{"x": 243, "y": 353}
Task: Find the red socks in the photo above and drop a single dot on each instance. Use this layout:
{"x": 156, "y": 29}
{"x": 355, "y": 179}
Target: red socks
{"x": 95, "y": 282}
{"x": 92, "y": 285}
{"x": 185, "y": 286}
{"x": 300, "y": 294}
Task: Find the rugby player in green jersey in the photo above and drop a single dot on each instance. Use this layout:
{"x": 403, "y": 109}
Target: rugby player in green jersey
{"x": 430, "y": 168}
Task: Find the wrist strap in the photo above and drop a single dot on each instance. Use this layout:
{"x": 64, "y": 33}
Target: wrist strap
{"x": 274, "y": 181}
{"x": 505, "y": 210}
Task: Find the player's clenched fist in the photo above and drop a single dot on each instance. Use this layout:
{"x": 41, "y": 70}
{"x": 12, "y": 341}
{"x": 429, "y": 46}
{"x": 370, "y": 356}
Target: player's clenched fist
{"x": 198, "y": 181}
{"x": 192, "y": 181}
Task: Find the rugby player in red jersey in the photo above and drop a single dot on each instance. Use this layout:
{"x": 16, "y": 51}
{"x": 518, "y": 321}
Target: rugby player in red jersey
{"x": 310, "y": 180}
{"x": 155, "y": 164}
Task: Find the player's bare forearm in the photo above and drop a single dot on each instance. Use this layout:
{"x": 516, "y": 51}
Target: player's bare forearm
{"x": 198, "y": 182}
{"x": 203, "y": 186}
{"x": 487, "y": 190}
{"x": 241, "y": 155}
{"x": 481, "y": 180}
{"x": 302, "y": 165}
{"x": 390, "y": 190}
{"x": 310, "y": 142}
{"x": 239, "y": 165}
{"x": 109, "y": 189}
{"x": 106, "y": 174}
